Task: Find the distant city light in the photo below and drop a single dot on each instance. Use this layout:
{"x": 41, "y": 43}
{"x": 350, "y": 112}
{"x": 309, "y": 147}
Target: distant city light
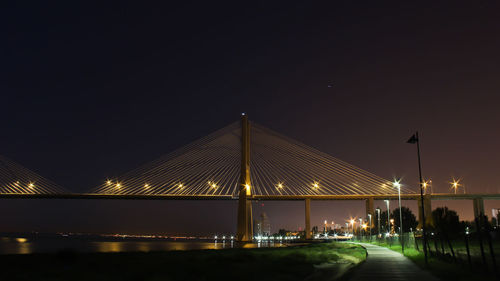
{"x": 108, "y": 182}
{"x": 315, "y": 184}
{"x": 118, "y": 185}
{"x": 146, "y": 185}
{"x": 31, "y": 185}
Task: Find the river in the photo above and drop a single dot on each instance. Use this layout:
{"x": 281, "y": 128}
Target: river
{"x": 35, "y": 244}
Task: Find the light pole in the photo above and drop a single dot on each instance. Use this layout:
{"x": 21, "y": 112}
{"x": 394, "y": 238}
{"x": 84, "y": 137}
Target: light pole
{"x": 415, "y": 140}
{"x": 388, "y": 216}
{"x": 398, "y": 186}
{"x": 378, "y": 218}
{"x": 360, "y": 223}
{"x": 370, "y": 225}
{"x": 352, "y": 223}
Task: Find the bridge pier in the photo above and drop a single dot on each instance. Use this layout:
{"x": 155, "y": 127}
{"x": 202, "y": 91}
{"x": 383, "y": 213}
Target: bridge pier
{"x": 429, "y": 221}
{"x": 370, "y": 211}
{"x": 245, "y": 221}
{"x": 478, "y": 205}
{"x": 307, "y": 229}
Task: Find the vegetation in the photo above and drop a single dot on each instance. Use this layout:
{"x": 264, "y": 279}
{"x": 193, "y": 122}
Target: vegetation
{"x": 447, "y": 222}
{"x": 322, "y": 261}
{"x": 409, "y": 220}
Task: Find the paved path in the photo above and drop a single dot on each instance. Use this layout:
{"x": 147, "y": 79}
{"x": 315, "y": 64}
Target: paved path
{"x": 384, "y": 264}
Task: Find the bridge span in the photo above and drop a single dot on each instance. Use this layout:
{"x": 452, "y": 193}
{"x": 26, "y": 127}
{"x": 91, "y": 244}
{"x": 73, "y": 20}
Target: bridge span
{"x": 242, "y": 161}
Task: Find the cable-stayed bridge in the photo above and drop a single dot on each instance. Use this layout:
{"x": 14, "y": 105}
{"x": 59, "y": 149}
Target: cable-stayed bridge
{"x": 243, "y": 161}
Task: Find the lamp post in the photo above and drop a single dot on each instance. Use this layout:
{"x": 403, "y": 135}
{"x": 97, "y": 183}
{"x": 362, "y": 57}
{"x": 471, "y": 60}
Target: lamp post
{"x": 378, "y": 218}
{"x": 352, "y": 223}
{"x": 360, "y": 224}
{"x": 415, "y": 140}
{"x": 388, "y": 216}
{"x": 370, "y": 225}
{"x": 398, "y": 186}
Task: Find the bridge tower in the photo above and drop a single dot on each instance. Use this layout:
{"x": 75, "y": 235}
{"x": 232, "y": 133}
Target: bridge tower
{"x": 245, "y": 222}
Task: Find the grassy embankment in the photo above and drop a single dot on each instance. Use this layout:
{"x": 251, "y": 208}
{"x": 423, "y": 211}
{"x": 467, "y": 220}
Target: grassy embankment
{"x": 445, "y": 267}
{"x": 325, "y": 261}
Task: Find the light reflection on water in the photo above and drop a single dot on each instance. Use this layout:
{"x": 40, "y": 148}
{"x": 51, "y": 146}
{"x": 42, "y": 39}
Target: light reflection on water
{"x": 56, "y": 244}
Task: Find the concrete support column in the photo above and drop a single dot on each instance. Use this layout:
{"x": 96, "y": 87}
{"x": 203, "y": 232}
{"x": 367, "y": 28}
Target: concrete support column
{"x": 307, "y": 230}
{"x": 245, "y": 221}
{"x": 429, "y": 221}
{"x": 370, "y": 211}
{"x": 478, "y": 204}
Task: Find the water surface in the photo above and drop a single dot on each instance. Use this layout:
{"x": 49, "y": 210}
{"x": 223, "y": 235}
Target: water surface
{"x": 30, "y": 245}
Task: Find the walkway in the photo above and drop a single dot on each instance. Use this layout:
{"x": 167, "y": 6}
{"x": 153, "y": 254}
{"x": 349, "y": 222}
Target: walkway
{"x": 384, "y": 264}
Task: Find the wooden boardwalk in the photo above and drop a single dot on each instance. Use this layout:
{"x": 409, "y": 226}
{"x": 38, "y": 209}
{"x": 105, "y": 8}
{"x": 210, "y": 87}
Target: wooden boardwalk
{"x": 384, "y": 264}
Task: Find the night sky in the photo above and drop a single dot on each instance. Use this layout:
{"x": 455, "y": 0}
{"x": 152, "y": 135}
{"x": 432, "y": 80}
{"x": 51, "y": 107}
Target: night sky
{"x": 90, "y": 91}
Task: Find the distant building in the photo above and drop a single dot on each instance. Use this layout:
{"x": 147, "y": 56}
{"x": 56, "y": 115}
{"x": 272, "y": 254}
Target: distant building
{"x": 261, "y": 226}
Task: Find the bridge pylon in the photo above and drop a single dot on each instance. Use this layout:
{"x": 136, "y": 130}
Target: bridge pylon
{"x": 245, "y": 221}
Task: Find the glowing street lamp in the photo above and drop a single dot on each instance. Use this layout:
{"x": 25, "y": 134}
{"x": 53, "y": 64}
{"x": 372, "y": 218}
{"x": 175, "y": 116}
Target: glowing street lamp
{"x": 316, "y": 185}
{"x": 455, "y": 184}
{"x": 426, "y": 184}
{"x": 352, "y": 223}
{"x": 279, "y": 185}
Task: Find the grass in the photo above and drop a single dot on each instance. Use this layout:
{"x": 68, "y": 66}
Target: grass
{"x": 444, "y": 267}
{"x": 290, "y": 263}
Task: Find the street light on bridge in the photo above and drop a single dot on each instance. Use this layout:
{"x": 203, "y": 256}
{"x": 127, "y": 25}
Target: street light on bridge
{"x": 426, "y": 184}
{"x": 316, "y": 185}
{"x": 455, "y": 184}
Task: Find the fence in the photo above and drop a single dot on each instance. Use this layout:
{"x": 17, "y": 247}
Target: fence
{"x": 475, "y": 249}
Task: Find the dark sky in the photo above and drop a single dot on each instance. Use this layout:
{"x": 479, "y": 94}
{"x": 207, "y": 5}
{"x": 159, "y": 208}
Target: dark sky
{"x": 89, "y": 91}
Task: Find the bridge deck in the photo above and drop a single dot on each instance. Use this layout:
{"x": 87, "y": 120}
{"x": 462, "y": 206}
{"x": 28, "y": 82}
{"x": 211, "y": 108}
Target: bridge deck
{"x": 440, "y": 196}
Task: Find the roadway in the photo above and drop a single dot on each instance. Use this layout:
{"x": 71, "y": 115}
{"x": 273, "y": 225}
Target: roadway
{"x": 437, "y": 196}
